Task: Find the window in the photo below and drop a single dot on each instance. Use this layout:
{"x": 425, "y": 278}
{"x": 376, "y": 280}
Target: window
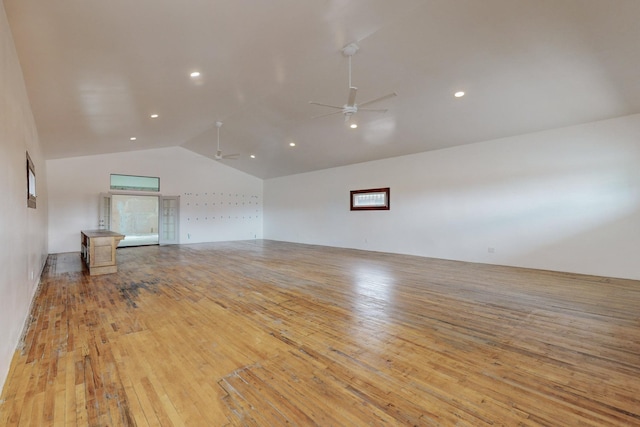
{"x": 31, "y": 183}
{"x": 135, "y": 183}
{"x": 370, "y": 200}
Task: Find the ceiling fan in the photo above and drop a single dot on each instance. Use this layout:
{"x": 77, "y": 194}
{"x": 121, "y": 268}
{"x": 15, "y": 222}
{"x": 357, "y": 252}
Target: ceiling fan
{"x": 219, "y": 155}
{"x": 350, "y": 108}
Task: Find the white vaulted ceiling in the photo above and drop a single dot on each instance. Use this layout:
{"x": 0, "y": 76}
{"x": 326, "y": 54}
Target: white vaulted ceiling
{"x": 96, "y": 70}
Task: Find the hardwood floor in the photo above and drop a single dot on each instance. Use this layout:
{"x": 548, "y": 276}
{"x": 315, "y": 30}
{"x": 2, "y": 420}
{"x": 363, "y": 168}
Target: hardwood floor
{"x": 270, "y": 334}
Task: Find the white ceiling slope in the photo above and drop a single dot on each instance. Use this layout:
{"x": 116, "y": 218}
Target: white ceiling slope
{"x": 96, "y": 70}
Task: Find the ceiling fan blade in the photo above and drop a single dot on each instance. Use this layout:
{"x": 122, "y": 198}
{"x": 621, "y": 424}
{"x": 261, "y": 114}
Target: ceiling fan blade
{"x": 325, "y": 105}
{"x": 391, "y": 95}
{"x": 231, "y": 156}
{"x": 352, "y": 96}
{"x": 375, "y": 110}
{"x": 328, "y": 114}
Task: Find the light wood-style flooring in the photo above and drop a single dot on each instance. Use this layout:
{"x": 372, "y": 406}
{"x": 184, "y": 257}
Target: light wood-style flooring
{"x": 265, "y": 333}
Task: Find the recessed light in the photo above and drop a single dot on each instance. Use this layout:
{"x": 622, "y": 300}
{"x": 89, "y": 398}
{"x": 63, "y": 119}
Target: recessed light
{"x": 253, "y": 156}
{"x": 195, "y": 74}
{"x": 292, "y": 144}
{"x": 353, "y": 126}
{"x": 459, "y": 94}
{"x": 154, "y": 116}
{"x": 133, "y": 138}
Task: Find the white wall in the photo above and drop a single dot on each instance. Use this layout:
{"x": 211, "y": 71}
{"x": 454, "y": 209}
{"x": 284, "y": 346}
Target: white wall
{"x": 23, "y": 231}
{"x": 217, "y": 202}
{"x": 565, "y": 200}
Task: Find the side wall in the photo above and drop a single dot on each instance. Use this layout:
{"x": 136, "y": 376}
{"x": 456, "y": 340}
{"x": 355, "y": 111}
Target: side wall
{"x": 565, "y": 200}
{"x": 24, "y": 231}
{"x": 216, "y": 202}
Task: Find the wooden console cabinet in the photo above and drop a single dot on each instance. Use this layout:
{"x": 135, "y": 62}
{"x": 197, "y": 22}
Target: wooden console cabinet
{"x": 98, "y": 250}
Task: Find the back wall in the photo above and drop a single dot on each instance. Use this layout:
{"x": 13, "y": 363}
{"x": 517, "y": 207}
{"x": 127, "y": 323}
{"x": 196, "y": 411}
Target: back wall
{"x": 217, "y": 202}
{"x": 565, "y": 200}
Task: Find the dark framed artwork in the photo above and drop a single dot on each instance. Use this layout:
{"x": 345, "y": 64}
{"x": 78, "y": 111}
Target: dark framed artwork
{"x": 31, "y": 183}
{"x": 374, "y": 199}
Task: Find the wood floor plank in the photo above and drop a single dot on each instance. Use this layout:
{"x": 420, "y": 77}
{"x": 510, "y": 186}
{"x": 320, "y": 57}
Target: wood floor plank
{"x": 263, "y": 333}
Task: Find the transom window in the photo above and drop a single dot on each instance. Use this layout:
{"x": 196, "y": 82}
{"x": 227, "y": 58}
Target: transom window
{"x": 135, "y": 183}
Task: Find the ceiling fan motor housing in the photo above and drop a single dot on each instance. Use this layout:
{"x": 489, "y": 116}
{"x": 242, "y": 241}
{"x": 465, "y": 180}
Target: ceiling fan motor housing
{"x": 350, "y": 49}
{"x": 350, "y": 109}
